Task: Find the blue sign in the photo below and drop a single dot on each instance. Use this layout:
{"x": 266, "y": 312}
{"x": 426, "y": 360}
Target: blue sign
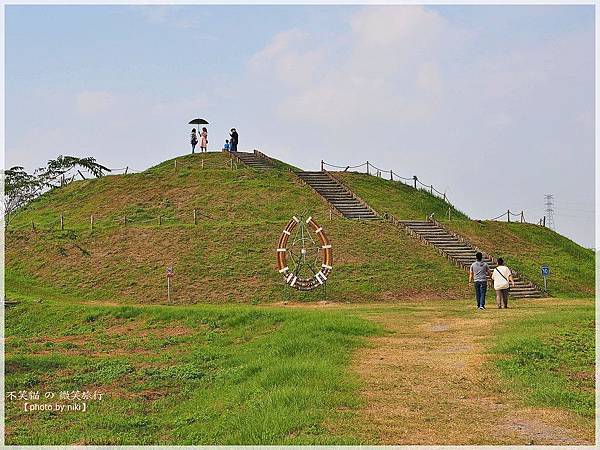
{"x": 545, "y": 271}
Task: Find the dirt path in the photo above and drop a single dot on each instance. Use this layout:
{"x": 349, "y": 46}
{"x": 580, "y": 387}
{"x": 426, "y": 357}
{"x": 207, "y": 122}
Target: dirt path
{"x": 426, "y": 382}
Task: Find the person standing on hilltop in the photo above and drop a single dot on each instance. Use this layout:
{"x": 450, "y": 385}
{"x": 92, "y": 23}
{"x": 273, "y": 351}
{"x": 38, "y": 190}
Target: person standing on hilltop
{"x": 194, "y": 139}
{"x": 234, "y": 139}
{"x": 503, "y": 279}
{"x": 478, "y": 274}
{"x": 204, "y": 139}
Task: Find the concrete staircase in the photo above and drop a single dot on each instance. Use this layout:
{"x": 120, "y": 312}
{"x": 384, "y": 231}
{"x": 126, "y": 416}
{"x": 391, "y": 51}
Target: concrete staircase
{"x": 462, "y": 253}
{"x": 252, "y": 160}
{"x": 340, "y": 197}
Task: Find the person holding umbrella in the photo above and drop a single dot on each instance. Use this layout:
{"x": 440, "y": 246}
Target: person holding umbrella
{"x": 203, "y": 139}
{"x": 234, "y": 139}
{"x": 194, "y": 139}
{"x": 197, "y": 122}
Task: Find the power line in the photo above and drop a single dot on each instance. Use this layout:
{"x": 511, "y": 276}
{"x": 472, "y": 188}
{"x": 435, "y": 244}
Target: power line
{"x": 549, "y": 204}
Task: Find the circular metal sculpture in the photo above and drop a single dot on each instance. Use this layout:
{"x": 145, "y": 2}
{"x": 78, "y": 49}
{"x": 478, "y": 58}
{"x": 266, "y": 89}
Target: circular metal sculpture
{"x": 304, "y": 261}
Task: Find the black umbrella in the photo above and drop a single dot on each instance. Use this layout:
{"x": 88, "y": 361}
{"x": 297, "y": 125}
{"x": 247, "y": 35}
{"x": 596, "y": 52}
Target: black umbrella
{"x": 198, "y": 122}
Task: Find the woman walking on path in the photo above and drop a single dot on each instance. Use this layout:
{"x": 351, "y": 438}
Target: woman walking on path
{"x": 204, "y": 139}
{"x": 503, "y": 279}
{"x": 194, "y": 139}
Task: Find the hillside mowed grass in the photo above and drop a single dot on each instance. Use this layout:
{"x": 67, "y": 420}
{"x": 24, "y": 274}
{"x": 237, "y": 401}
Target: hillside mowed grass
{"x": 524, "y": 247}
{"x": 399, "y": 199}
{"x": 227, "y": 257}
{"x": 182, "y": 375}
{"x": 206, "y": 183}
{"x": 548, "y": 359}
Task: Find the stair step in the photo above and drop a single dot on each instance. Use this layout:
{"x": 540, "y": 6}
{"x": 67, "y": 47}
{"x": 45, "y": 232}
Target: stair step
{"x": 463, "y": 253}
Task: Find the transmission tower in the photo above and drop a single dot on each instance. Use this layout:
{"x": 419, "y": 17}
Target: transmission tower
{"x": 549, "y": 204}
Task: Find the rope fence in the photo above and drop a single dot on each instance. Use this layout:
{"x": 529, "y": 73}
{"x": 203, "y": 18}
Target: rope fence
{"x": 393, "y": 176}
{"x": 519, "y": 216}
{"x": 63, "y": 224}
{"x": 177, "y": 164}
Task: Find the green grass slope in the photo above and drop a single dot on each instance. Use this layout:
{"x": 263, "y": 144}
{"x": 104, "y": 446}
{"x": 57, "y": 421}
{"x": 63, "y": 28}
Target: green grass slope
{"x": 229, "y": 256}
{"x": 524, "y": 247}
{"x": 399, "y": 199}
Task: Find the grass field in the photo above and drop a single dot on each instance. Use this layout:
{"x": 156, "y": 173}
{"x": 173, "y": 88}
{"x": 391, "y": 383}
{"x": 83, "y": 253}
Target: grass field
{"x": 201, "y": 375}
{"x": 210, "y": 374}
{"x": 549, "y": 359}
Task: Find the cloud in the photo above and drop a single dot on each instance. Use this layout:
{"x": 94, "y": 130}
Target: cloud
{"x": 94, "y": 102}
{"x": 375, "y": 71}
{"x": 408, "y": 89}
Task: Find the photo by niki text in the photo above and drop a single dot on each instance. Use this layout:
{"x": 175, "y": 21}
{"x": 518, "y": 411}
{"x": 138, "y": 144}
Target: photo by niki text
{"x": 62, "y": 401}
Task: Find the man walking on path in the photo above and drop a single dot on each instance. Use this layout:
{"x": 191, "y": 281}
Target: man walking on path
{"x": 502, "y": 276}
{"x": 478, "y": 273}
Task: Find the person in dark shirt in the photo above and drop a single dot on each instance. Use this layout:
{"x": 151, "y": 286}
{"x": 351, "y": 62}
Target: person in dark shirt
{"x": 234, "y": 139}
{"x": 193, "y": 139}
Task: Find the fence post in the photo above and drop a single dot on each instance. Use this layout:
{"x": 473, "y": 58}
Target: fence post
{"x": 91, "y": 222}
{"x": 508, "y": 215}
{"x": 415, "y": 180}
{"x": 322, "y": 166}
{"x": 176, "y": 163}
{"x": 522, "y": 217}
{"x": 126, "y": 169}
{"x": 330, "y": 214}
{"x": 160, "y": 220}
{"x": 62, "y": 221}
{"x": 431, "y": 189}
{"x": 368, "y": 168}
{"x": 391, "y": 175}
{"x": 125, "y": 220}
{"x": 195, "y": 219}
{"x": 32, "y": 226}
{"x": 202, "y": 161}
{"x": 445, "y": 197}
{"x": 544, "y": 224}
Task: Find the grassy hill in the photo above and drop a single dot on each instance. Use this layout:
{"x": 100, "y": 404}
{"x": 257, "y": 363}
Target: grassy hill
{"x": 90, "y": 317}
{"x": 524, "y": 247}
{"x": 228, "y": 256}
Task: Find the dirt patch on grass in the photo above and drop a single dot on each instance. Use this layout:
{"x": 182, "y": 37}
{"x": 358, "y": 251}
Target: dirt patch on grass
{"x": 116, "y": 341}
{"x": 427, "y": 382}
{"x": 136, "y": 329}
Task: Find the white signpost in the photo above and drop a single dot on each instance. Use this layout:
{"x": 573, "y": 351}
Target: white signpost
{"x": 170, "y": 275}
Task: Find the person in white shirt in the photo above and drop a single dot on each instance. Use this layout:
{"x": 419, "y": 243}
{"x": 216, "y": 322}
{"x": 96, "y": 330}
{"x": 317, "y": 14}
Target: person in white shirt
{"x": 503, "y": 279}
